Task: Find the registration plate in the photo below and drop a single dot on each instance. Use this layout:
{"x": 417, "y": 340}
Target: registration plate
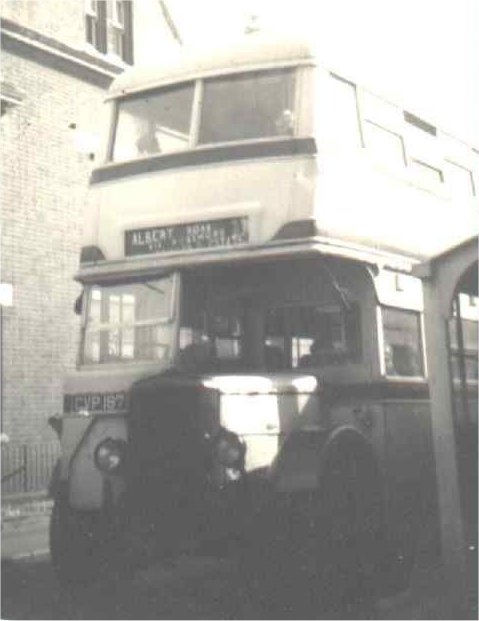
{"x": 93, "y": 403}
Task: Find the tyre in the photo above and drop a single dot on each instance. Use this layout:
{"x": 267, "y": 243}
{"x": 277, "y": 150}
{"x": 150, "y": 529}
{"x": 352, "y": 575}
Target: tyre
{"x": 77, "y": 548}
{"x": 350, "y": 532}
{"x": 316, "y": 555}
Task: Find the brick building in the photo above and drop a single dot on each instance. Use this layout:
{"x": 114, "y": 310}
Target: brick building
{"x": 58, "y": 58}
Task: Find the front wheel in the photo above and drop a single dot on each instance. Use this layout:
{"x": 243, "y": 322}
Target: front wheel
{"x": 78, "y": 547}
{"x": 317, "y": 554}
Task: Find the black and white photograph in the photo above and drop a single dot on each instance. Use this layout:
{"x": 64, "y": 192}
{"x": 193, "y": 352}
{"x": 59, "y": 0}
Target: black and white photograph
{"x": 239, "y": 309}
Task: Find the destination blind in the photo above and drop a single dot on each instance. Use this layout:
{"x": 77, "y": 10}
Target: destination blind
{"x": 190, "y": 236}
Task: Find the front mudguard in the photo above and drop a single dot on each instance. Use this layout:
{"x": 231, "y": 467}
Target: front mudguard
{"x": 298, "y": 482}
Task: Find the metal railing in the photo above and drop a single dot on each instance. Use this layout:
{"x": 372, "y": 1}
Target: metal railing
{"x": 27, "y": 467}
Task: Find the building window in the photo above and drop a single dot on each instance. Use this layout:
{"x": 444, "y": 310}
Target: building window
{"x": 459, "y": 179}
{"x": 109, "y": 27}
{"x": 116, "y": 31}
{"x": 129, "y": 322}
{"x": 94, "y": 35}
{"x": 385, "y": 145}
{"x": 426, "y": 174}
{"x": 343, "y": 118}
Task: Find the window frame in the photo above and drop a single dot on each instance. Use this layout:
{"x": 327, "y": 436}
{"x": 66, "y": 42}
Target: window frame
{"x": 91, "y": 22}
{"x": 396, "y": 134}
{"x": 101, "y": 17}
{"x": 353, "y": 358}
{"x": 241, "y": 74}
{"x": 101, "y": 327}
{"x": 421, "y": 343}
{"x": 451, "y": 162}
{"x": 414, "y": 161}
{"x": 116, "y": 115}
{"x": 114, "y": 20}
{"x": 332, "y": 75}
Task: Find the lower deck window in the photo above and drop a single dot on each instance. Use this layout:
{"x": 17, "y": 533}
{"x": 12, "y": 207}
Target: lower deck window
{"x": 402, "y": 343}
{"x": 468, "y": 352}
{"x": 211, "y": 330}
{"x": 212, "y": 342}
{"x": 129, "y": 322}
{"x": 312, "y": 336}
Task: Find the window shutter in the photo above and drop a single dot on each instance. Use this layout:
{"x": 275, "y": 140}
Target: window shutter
{"x": 128, "y": 33}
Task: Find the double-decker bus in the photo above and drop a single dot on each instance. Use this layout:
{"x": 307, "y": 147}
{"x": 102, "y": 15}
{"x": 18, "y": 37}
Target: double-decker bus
{"x": 252, "y": 365}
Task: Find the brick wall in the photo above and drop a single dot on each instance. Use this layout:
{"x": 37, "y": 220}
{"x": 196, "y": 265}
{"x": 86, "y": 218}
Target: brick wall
{"x": 45, "y": 171}
{"x": 60, "y": 19}
{"x": 64, "y": 20}
{"x": 44, "y": 189}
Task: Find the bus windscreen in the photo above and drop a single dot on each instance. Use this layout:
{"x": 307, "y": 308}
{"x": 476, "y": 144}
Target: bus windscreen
{"x": 129, "y": 322}
{"x": 248, "y": 106}
{"x": 232, "y": 108}
{"x": 154, "y": 123}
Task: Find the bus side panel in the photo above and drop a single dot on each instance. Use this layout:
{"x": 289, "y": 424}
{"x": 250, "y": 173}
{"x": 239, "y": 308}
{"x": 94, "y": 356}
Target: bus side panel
{"x": 410, "y": 475}
{"x": 466, "y": 442}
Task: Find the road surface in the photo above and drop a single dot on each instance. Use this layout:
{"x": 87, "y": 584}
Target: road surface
{"x": 192, "y": 588}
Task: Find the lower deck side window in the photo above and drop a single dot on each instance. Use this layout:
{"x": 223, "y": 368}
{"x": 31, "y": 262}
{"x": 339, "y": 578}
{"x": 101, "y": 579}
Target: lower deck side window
{"x": 464, "y": 353}
{"x": 402, "y": 343}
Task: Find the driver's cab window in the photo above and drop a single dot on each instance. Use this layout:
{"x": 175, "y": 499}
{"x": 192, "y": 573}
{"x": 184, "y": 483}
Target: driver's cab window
{"x": 211, "y": 338}
{"x": 311, "y": 336}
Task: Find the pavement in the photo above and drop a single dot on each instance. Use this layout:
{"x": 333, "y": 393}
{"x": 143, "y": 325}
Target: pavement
{"x": 25, "y": 523}
{"x": 25, "y": 537}
{"x": 25, "y": 547}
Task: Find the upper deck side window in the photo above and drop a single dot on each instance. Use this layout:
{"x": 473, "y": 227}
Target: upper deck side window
{"x": 247, "y": 106}
{"x": 385, "y": 145}
{"x": 342, "y": 130}
{"x": 460, "y": 179}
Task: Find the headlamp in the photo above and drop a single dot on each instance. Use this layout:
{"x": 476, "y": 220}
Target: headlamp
{"x": 110, "y": 455}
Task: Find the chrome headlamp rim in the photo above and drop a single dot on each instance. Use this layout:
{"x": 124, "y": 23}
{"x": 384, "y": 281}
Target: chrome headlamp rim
{"x": 109, "y": 455}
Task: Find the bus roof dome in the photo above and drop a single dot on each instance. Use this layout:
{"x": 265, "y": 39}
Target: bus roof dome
{"x": 253, "y": 51}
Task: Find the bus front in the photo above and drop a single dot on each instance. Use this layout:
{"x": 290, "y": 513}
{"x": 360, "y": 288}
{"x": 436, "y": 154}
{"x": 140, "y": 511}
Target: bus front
{"x": 179, "y": 397}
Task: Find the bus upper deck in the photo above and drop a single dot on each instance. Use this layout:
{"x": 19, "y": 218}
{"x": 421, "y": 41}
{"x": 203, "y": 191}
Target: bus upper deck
{"x": 260, "y": 143}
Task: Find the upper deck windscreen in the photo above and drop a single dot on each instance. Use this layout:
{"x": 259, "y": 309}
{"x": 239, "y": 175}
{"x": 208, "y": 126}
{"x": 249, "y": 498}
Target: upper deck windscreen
{"x": 247, "y": 106}
{"x": 154, "y": 123}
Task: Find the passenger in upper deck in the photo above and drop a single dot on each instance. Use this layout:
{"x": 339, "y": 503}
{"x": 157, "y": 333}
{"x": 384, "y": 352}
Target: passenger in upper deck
{"x": 147, "y": 143}
{"x": 284, "y": 124}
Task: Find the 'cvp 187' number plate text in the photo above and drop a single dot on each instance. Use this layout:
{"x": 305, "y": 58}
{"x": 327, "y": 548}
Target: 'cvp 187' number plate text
{"x": 91, "y": 402}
